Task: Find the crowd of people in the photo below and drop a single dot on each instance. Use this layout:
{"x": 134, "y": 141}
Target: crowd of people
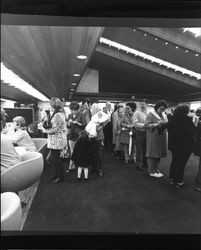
{"x": 132, "y": 134}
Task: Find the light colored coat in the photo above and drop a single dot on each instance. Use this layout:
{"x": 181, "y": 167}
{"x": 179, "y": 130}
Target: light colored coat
{"x": 116, "y": 133}
{"x": 57, "y": 138}
{"x": 156, "y": 143}
{"x": 139, "y": 119}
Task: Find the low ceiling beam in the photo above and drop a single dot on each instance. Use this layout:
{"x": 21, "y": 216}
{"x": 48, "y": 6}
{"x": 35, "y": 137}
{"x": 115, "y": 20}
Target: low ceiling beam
{"x": 177, "y": 39}
{"x": 147, "y": 65}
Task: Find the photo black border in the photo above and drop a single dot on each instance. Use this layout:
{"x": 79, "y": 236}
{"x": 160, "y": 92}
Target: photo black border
{"x": 174, "y": 17}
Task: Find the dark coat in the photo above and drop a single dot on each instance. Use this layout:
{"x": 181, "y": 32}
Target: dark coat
{"x": 198, "y": 140}
{"x": 82, "y": 153}
{"x": 181, "y": 132}
{"x": 74, "y": 129}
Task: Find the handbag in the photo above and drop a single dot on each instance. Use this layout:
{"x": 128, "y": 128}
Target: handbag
{"x": 66, "y": 152}
{"x": 47, "y": 124}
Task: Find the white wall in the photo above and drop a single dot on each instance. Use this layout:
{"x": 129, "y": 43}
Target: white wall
{"x": 89, "y": 82}
{"x": 44, "y": 105}
{"x": 7, "y": 104}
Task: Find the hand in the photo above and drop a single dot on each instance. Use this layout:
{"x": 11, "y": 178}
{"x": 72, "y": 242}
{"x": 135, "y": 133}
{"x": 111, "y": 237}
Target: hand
{"x": 40, "y": 125}
{"x": 160, "y": 123}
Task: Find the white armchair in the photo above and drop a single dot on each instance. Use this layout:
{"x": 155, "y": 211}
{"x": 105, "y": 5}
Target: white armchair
{"x": 11, "y": 212}
{"x": 23, "y": 174}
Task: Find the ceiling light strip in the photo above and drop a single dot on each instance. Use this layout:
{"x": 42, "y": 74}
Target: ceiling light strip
{"x": 10, "y": 78}
{"x": 150, "y": 58}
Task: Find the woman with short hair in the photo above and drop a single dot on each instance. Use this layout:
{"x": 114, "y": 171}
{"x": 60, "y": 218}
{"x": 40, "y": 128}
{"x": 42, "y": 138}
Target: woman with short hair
{"x": 56, "y": 137}
{"x": 182, "y": 132}
{"x": 21, "y": 137}
{"x": 9, "y": 156}
{"x": 127, "y": 132}
{"x": 75, "y": 123}
{"x": 156, "y": 138}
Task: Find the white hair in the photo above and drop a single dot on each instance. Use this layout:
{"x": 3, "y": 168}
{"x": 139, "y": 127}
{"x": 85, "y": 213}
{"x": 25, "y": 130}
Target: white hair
{"x": 95, "y": 108}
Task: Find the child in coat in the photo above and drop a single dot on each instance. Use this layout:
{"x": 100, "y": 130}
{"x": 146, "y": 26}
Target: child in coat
{"x": 82, "y": 154}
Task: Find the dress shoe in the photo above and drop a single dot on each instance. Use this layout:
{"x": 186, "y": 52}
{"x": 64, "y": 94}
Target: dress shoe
{"x": 100, "y": 174}
{"x": 140, "y": 168}
{"x": 197, "y": 189}
{"x": 56, "y": 180}
{"x": 155, "y": 175}
{"x": 23, "y": 204}
{"x": 180, "y": 184}
{"x": 160, "y": 174}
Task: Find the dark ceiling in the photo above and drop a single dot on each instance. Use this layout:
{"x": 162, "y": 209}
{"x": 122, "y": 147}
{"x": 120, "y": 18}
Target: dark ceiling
{"x": 157, "y": 48}
{"x": 102, "y": 8}
{"x": 121, "y": 77}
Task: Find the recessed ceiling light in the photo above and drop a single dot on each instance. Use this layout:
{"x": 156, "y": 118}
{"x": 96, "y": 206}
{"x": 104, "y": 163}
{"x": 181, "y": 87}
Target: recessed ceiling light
{"x": 72, "y": 89}
{"x": 176, "y": 47}
{"x": 76, "y": 74}
{"x": 196, "y": 55}
{"x": 74, "y": 84}
{"x": 156, "y": 38}
{"x": 186, "y": 51}
{"x": 166, "y": 43}
{"x": 145, "y": 34}
{"x": 133, "y": 29}
{"x": 81, "y": 57}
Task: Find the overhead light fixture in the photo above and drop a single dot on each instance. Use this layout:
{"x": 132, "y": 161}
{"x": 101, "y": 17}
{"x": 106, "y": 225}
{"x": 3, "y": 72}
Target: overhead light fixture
{"x": 82, "y": 57}
{"x": 196, "y": 54}
{"x": 176, "y": 47}
{"x": 156, "y": 38}
{"x": 133, "y": 29}
{"x": 166, "y": 43}
{"x": 72, "y": 89}
{"x": 145, "y": 34}
{"x": 74, "y": 84}
{"x": 186, "y": 51}
{"x": 149, "y": 57}
{"x": 10, "y": 78}
{"x": 195, "y": 31}
{"x": 76, "y": 74}
{"x": 6, "y": 100}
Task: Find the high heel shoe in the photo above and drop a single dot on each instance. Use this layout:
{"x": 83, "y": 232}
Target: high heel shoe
{"x": 56, "y": 180}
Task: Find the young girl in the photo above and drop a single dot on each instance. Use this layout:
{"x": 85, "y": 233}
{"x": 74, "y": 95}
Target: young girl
{"x": 82, "y": 154}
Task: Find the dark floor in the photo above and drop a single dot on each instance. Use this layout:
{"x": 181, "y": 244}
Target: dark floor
{"x": 125, "y": 200}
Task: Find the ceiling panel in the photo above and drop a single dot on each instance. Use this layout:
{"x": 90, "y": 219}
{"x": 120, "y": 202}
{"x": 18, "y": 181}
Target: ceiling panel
{"x": 116, "y": 76}
{"x": 46, "y": 56}
{"x": 157, "y": 48}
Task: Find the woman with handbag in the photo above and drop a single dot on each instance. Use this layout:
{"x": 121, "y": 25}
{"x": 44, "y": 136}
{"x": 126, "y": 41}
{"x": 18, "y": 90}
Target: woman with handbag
{"x": 156, "y": 138}
{"x": 56, "y": 130}
{"x": 75, "y": 123}
{"x": 127, "y": 134}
